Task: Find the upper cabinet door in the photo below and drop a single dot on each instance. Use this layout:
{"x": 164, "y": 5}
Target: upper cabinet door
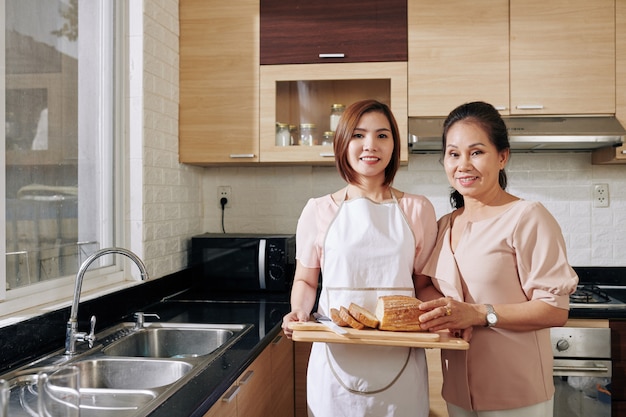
{"x": 562, "y": 56}
{"x": 219, "y": 82}
{"x": 306, "y": 32}
{"x": 457, "y": 54}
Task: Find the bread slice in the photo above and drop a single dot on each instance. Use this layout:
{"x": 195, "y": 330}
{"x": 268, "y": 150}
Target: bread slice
{"x": 363, "y": 315}
{"x": 336, "y": 318}
{"x": 398, "y": 313}
{"x": 347, "y": 317}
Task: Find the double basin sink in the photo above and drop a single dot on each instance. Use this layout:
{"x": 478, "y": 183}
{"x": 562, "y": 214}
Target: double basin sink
{"x": 130, "y": 370}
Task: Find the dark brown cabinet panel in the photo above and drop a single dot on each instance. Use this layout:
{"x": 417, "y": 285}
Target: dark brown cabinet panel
{"x": 303, "y": 31}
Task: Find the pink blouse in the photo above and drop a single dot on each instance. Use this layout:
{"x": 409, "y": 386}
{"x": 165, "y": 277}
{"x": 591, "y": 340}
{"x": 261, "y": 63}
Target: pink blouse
{"x": 514, "y": 257}
{"x": 319, "y": 212}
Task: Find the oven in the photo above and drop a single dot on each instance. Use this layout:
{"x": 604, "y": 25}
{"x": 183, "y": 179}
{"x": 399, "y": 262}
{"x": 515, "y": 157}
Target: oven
{"x": 582, "y": 355}
{"x": 582, "y": 371}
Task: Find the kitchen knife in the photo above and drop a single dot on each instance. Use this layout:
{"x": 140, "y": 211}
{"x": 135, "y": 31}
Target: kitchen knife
{"x": 328, "y": 322}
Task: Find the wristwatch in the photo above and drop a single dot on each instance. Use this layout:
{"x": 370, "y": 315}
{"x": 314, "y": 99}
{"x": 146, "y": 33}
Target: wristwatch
{"x": 492, "y": 317}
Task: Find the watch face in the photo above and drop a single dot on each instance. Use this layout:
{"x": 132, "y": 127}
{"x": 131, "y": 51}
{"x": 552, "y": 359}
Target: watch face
{"x": 492, "y": 318}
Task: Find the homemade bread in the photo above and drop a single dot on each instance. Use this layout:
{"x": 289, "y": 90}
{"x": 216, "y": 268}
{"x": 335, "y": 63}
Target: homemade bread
{"x": 347, "y": 317}
{"x": 398, "y": 313}
{"x": 363, "y": 315}
{"x": 336, "y": 318}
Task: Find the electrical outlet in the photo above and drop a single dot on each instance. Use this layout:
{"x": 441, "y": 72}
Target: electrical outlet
{"x": 224, "y": 191}
{"x": 601, "y": 195}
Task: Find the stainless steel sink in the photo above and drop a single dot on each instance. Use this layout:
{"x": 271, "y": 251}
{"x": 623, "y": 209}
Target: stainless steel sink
{"x": 164, "y": 342}
{"x": 130, "y": 373}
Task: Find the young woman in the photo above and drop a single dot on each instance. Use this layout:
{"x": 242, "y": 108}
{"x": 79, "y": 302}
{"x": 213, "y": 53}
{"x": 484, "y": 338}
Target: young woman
{"x": 367, "y": 239}
{"x": 501, "y": 261}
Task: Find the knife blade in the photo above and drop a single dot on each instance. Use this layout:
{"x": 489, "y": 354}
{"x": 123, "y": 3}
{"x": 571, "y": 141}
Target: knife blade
{"x": 328, "y": 322}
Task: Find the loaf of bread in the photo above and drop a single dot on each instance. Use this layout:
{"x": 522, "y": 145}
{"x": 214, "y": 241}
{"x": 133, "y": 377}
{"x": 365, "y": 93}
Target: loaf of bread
{"x": 398, "y": 313}
{"x": 363, "y": 315}
{"x": 336, "y": 318}
{"x": 347, "y": 317}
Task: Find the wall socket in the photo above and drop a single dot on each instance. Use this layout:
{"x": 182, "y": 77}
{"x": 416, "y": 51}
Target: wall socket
{"x": 601, "y": 195}
{"x": 224, "y": 191}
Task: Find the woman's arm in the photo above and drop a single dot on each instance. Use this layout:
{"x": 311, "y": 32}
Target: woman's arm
{"x": 303, "y": 295}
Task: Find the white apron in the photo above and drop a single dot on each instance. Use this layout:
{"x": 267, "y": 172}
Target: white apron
{"x": 369, "y": 251}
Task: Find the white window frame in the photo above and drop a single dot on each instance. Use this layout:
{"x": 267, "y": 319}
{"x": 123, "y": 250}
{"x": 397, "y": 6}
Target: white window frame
{"x": 21, "y": 303}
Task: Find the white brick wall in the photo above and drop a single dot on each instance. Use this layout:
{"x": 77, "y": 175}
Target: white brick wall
{"x": 169, "y": 208}
{"x": 270, "y": 199}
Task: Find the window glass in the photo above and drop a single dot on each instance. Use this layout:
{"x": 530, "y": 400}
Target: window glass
{"x": 59, "y": 63}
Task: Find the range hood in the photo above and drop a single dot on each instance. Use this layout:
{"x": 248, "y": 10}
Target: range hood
{"x": 531, "y": 133}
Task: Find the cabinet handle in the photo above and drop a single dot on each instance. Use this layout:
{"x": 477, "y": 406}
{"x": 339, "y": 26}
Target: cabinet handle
{"x": 624, "y": 152}
{"x": 327, "y": 154}
{"x": 246, "y": 378}
{"x": 500, "y": 108}
{"x": 277, "y": 339}
{"x": 332, "y": 55}
{"x": 529, "y": 107}
{"x": 230, "y": 394}
{"x": 241, "y": 155}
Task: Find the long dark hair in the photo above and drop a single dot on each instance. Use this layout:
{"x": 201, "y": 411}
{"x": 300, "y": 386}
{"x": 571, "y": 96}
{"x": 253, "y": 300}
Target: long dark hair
{"x": 487, "y": 118}
{"x": 343, "y": 135}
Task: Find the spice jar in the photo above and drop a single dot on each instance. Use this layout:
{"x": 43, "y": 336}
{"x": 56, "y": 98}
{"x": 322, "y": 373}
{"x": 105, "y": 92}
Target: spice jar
{"x": 293, "y": 134}
{"x": 336, "y": 110}
{"x": 307, "y": 134}
{"x": 327, "y": 138}
{"x": 283, "y": 137}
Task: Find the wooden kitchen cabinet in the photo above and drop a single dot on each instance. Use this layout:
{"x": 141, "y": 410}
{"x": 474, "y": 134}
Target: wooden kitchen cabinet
{"x": 265, "y": 388}
{"x": 305, "y": 32}
{"x": 618, "y": 356}
{"x": 457, "y": 54}
{"x": 296, "y": 94}
{"x": 559, "y": 56}
{"x": 282, "y": 382}
{"x": 219, "y": 82}
{"x": 302, "y": 351}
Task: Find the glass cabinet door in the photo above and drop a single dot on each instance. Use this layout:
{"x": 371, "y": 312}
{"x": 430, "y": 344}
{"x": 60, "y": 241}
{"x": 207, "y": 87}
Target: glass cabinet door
{"x": 302, "y": 97}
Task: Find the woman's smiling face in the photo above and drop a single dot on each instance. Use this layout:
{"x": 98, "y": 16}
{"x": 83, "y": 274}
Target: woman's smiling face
{"x": 371, "y": 146}
{"x": 471, "y": 161}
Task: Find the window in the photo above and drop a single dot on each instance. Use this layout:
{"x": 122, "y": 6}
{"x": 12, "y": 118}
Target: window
{"x": 61, "y": 97}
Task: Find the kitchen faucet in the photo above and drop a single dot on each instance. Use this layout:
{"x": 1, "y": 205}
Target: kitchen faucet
{"x": 72, "y": 335}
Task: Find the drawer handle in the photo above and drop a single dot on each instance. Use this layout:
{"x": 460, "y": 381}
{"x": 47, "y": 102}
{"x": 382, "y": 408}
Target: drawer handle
{"x": 581, "y": 369}
{"x": 332, "y": 55}
{"x": 246, "y": 378}
{"x": 230, "y": 394}
{"x": 277, "y": 339}
{"x": 500, "y": 108}
{"x": 242, "y": 155}
{"x": 327, "y": 154}
{"x": 529, "y": 107}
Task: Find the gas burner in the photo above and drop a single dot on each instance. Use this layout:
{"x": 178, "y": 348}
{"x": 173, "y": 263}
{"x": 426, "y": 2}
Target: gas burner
{"x": 590, "y": 296}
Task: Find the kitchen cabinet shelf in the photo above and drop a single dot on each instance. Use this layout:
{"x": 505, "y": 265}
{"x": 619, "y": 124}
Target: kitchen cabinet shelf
{"x": 296, "y": 94}
{"x": 522, "y": 56}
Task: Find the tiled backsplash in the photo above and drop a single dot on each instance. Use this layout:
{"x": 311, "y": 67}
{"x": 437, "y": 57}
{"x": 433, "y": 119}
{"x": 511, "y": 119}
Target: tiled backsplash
{"x": 270, "y": 199}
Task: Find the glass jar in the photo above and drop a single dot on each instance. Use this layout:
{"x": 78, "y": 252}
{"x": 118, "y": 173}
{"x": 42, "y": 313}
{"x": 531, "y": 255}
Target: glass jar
{"x": 336, "y": 110}
{"x": 283, "y": 138}
{"x": 293, "y": 134}
{"x": 307, "y": 134}
{"x": 327, "y": 138}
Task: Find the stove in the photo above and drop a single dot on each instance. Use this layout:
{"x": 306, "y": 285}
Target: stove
{"x": 591, "y": 296}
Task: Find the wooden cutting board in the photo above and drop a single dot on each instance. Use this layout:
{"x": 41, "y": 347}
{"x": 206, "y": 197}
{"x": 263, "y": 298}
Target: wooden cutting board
{"x": 316, "y": 332}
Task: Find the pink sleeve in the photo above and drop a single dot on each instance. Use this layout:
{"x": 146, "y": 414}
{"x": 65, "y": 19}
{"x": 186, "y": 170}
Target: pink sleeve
{"x": 306, "y": 233}
{"x": 421, "y": 216}
{"x": 544, "y": 271}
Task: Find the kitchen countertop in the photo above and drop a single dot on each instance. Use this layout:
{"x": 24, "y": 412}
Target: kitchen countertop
{"x": 265, "y": 312}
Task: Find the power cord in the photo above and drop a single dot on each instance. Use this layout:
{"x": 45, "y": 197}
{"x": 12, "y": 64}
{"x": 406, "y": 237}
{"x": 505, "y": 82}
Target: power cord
{"x": 223, "y": 202}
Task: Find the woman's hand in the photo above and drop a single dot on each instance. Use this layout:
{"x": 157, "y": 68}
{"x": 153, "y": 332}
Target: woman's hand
{"x": 291, "y": 317}
{"x": 447, "y": 313}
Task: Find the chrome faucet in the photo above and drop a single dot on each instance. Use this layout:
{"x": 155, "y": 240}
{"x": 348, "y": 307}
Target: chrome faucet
{"x": 72, "y": 335}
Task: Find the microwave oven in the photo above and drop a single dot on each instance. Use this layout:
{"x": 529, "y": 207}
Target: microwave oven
{"x": 244, "y": 262}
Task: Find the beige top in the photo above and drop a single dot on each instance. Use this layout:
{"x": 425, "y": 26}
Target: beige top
{"x": 516, "y": 256}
